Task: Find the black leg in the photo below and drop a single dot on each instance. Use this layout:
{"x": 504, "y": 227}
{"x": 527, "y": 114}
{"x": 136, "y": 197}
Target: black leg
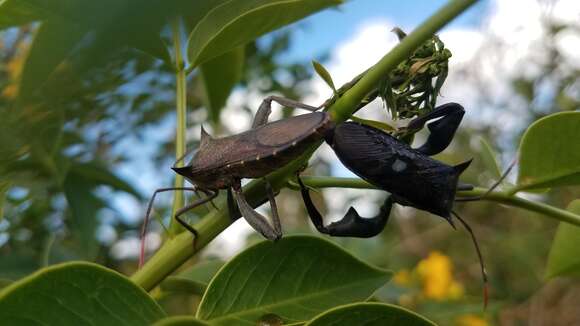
{"x": 351, "y": 225}
{"x": 232, "y": 207}
{"x": 181, "y": 211}
{"x": 441, "y": 130}
{"x": 148, "y": 214}
{"x": 255, "y": 219}
{"x": 266, "y": 108}
{"x": 272, "y": 199}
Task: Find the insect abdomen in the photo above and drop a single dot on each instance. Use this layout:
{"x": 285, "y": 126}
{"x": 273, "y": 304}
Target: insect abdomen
{"x": 413, "y": 178}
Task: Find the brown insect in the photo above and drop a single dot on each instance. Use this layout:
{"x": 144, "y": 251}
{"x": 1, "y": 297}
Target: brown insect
{"x": 221, "y": 163}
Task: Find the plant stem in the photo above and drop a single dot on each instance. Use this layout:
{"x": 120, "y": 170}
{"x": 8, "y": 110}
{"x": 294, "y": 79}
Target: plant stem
{"x": 177, "y": 250}
{"x": 494, "y": 196}
{"x": 181, "y": 107}
{"x": 342, "y": 108}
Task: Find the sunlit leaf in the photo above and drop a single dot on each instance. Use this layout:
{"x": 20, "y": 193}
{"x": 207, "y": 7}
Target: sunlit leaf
{"x": 324, "y": 74}
{"x": 77, "y": 294}
{"x": 374, "y": 123}
{"x": 294, "y": 278}
{"x": 237, "y": 22}
{"x": 18, "y": 12}
{"x": 219, "y": 76}
{"x": 489, "y": 158}
{"x": 369, "y": 314}
{"x": 564, "y": 259}
{"x": 53, "y": 42}
{"x": 550, "y": 153}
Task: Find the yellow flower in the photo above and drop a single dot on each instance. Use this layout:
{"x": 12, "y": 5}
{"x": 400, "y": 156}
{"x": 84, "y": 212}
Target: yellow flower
{"x": 436, "y": 276}
{"x": 470, "y": 320}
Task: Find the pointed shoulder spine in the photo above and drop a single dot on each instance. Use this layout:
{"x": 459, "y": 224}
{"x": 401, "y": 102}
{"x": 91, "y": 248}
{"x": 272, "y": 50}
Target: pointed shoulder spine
{"x": 205, "y": 138}
{"x": 459, "y": 168}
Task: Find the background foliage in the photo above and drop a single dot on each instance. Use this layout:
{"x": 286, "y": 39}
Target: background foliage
{"x": 78, "y": 90}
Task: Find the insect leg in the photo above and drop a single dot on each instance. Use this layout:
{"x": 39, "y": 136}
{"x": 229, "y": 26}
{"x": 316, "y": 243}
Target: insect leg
{"x": 442, "y": 130}
{"x": 313, "y": 213}
{"x": 181, "y": 211}
{"x": 148, "y": 213}
{"x": 275, "y": 217}
{"x": 255, "y": 219}
{"x": 211, "y": 201}
{"x": 351, "y": 225}
{"x": 265, "y": 108}
{"x": 232, "y": 208}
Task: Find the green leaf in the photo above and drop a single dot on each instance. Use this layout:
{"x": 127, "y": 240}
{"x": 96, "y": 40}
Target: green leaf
{"x": 219, "y": 76}
{"x": 4, "y": 186}
{"x": 564, "y": 259}
{"x": 53, "y": 43}
{"x": 18, "y": 12}
{"x": 84, "y": 206}
{"x": 180, "y": 321}
{"x": 98, "y": 174}
{"x": 61, "y": 54}
{"x": 373, "y": 123}
{"x": 294, "y": 278}
{"x": 550, "y": 153}
{"x": 193, "y": 280}
{"x": 77, "y": 294}
{"x": 324, "y": 74}
{"x": 489, "y": 157}
{"x": 237, "y": 22}
{"x": 369, "y": 314}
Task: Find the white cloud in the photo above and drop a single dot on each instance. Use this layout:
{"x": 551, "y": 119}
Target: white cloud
{"x": 505, "y": 46}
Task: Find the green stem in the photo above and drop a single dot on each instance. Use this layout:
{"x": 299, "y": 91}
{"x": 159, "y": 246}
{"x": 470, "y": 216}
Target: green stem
{"x": 495, "y": 196}
{"x": 181, "y": 107}
{"x": 403, "y": 50}
{"x": 175, "y": 251}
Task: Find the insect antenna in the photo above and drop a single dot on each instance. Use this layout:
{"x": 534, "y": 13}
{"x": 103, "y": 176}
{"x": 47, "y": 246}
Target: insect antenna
{"x": 493, "y": 187}
{"x": 481, "y": 263}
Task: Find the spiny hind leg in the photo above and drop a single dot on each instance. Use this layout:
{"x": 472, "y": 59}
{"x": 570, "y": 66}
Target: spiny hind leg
{"x": 351, "y": 225}
{"x": 441, "y": 131}
{"x": 265, "y": 108}
{"x": 255, "y": 219}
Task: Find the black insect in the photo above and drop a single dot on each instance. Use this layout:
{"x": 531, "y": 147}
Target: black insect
{"x": 410, "y": 175}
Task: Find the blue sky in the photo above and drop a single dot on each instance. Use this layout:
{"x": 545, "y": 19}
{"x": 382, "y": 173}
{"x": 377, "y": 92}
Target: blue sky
{"x": 320, "y": 32}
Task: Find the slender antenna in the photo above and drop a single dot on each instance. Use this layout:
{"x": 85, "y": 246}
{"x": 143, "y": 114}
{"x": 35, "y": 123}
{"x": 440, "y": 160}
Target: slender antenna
{"x": 481, "y": 263}
{"x": 492, "y": 188}
{"x": 144, "y": 231}
{"x": 183, "y": 156}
